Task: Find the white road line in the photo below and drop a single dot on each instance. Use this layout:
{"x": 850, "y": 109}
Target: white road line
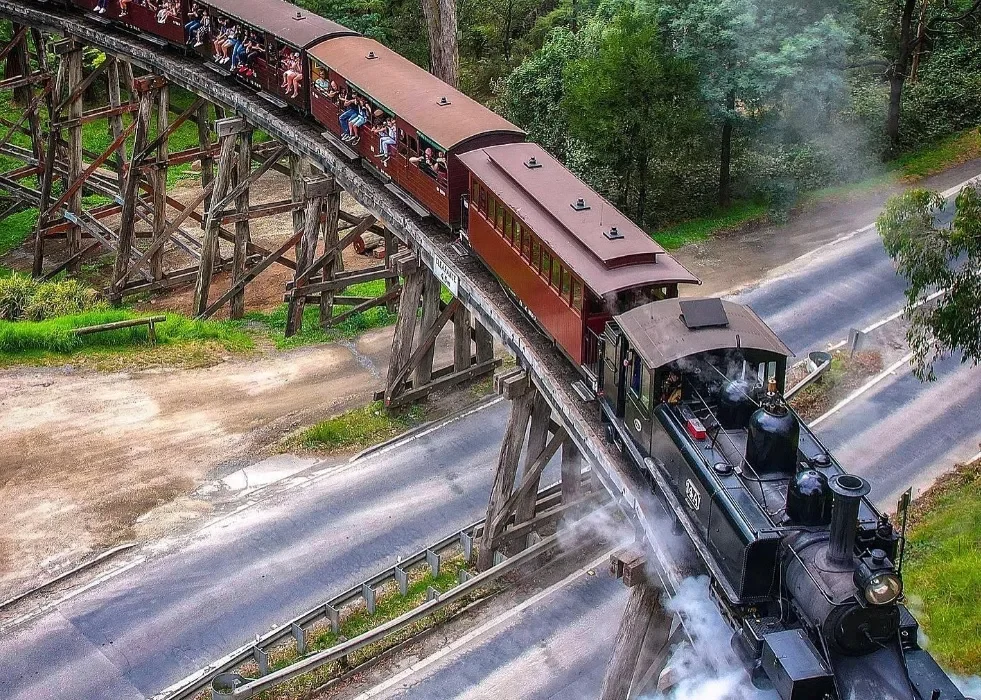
{"x": 863, "y": 389}
{"x": 483, "y": 629}
{"x": 891, "y": 317}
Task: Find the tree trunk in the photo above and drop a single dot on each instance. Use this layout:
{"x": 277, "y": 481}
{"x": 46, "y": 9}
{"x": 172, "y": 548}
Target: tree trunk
{"x": 642, "y": 188}
{"x": 725, "y": 160}
{"x": 444, "y": 55}
{"x": 898, "y": 72}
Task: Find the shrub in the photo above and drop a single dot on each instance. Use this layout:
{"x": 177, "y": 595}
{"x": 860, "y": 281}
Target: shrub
{"x": 24, "y": 298}
{"x": 64, "y": 298}
{"x": 16, "y": 293}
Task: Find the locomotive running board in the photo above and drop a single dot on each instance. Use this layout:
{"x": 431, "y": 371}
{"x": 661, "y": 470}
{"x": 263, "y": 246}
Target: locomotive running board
{"x": 407, "y": 199}
{"x": 335, "y": 141}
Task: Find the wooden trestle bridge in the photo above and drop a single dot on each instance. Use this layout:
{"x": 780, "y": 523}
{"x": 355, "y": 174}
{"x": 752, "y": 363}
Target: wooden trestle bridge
{"x": 147, "y": 229}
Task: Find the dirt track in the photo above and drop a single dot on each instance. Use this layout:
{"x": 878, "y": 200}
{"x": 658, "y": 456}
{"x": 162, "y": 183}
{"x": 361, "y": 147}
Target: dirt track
{"x": 86, "y": 454}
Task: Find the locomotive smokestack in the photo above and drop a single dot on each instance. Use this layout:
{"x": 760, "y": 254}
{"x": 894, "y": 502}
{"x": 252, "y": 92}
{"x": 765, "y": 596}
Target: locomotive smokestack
{"x": 848, "y": 490}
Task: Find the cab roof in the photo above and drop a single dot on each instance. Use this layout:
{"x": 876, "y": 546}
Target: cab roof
{"x": 664, "y": 331}
{"x": 441, "y": 113}
{"x": 591, "y": 236}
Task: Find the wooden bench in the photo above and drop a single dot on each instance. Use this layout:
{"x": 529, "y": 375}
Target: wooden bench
{"x": 148, "y": 321}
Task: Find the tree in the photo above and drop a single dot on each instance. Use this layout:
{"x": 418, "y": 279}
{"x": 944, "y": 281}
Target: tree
{"x": 751, "y": 54}
{"x": 900, "y": 31}
{"x": 632, "y": 101}
{"x": 932, "y": 258}
{"x": 444, "y": 52}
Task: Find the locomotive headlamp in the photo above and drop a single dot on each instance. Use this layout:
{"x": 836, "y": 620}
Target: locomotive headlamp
{"x": 876, "y": 578}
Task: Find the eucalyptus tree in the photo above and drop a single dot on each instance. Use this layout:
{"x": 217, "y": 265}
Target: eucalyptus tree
{"x": 932, "y": 257}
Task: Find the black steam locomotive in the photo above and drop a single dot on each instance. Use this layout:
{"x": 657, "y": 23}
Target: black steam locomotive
{"x": 801, "y": 562}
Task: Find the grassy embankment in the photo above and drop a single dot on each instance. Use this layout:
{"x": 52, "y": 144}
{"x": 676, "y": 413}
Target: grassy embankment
{"x": 943, "y": 567}
{"x": 911, "y": 167}
{"x": 845, "y": 375}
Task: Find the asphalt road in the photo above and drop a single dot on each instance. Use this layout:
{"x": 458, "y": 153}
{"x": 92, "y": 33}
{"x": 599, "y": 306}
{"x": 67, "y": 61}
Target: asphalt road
{"x": 154, "y": 624}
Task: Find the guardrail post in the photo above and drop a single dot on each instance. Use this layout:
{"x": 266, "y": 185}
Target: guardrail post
{"x": 402, "y": 577}
{"x": 368, "y": 593}
{"x": 334, "y": 615}
{"x": 466, "y": 542}
{"x": 431, "y": 594}
{"x": 300, "y": 635}
{"x": 464, "y": 575}
{"x": 262, "y": 659}
{"x": 499, "y": 558}
{"x": 434, "y": 561}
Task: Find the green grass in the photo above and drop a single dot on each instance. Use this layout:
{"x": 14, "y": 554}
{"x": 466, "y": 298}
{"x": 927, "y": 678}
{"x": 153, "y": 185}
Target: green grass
{"x": 274, "y": 322}
{"x": 739, "y": 214}
{"x": 943, "y": 568}
{"x": 30, "y": 338}
{"x": 360, "y": 427}
{"x": 937, "y": 157}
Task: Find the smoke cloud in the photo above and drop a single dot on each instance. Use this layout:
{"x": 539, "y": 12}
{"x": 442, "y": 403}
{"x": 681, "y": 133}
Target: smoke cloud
{"x": 706, "y": 669}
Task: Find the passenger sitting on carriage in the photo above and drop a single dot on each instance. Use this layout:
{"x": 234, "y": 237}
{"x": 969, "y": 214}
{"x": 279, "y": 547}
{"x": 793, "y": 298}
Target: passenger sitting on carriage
{"x": 251, "y": 49}
{"x": 203, "y": 32}
{"x": 386, "y": 139}
{"x": 292, "y": 73}
{"x": 100, "y": 7}
{"x": 168, "y": 11}
{"x": 193, "y": 22}
{"x": 327, "y": 88}
{"x": 124, "y": 7}
{"x": 426, "y": 162}
{"x": 358, "y": 120}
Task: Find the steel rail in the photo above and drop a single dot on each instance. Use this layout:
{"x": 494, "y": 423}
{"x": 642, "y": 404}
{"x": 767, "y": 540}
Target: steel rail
{"x": 477, "y": 288}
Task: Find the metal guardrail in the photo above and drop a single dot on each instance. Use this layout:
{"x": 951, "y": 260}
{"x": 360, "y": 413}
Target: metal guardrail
{"x": 549, "y": 502}
{"x": 232, "y": 685}
{"x": 818, "y": 363}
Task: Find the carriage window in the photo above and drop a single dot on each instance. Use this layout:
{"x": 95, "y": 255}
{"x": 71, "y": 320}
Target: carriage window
{"x": 636, "y": 370}
{"x": 546, "y": 263}
{"x": 473, "y": 186}
{"x": 556, "y": 273}
{"x": 482, "y": 202}
{"x": 566, "y": 284}
{"x": 499, "y": 219}
{"x": 645, "y": 388}
{"x": 536, "y": 253}
{"x": 491, "y": 208}
{"x": 517, "y": 231}
{"x": 577, "y": 295}
{"x": 526, "y": 245}
{"x": 508, "y": 226}
{"x": 413, "y": 145}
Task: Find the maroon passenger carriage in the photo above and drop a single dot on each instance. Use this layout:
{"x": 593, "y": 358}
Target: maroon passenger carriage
{"x": 285, "y": 29}
{"x": 428, "y": 113}
{"x": 569, "y": 256}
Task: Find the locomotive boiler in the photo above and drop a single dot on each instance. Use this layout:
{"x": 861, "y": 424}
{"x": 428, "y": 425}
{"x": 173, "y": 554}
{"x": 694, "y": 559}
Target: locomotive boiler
{"x": 803, "y": 566}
